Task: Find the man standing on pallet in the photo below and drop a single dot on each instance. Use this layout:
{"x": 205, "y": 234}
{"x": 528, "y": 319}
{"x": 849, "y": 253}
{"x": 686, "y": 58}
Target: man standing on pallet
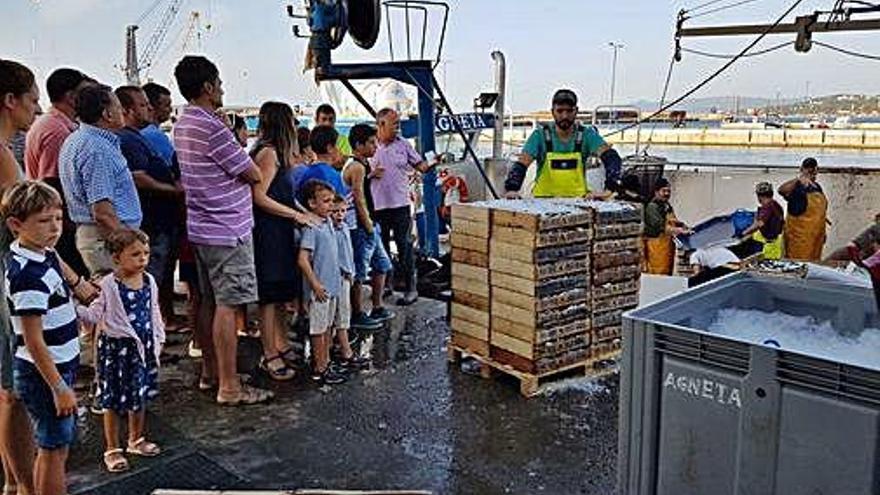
{"x": 561, "y": 151}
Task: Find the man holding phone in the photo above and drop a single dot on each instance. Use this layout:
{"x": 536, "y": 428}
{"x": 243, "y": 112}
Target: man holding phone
{"x": 393, "y": 165}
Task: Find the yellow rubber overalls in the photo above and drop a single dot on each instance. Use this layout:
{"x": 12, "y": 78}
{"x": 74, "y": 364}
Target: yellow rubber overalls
{"x": 805, "y": 233}
{"x": 562, "y": 174}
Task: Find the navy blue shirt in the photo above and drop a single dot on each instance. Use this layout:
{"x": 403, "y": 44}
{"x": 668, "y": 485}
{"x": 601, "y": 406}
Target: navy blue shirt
{"x": 159, "y": 209}
{"x": 321, "y": 171}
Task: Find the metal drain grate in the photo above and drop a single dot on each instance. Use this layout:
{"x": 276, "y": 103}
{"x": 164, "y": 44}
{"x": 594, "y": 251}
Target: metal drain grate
{"x": 190, "y": 471}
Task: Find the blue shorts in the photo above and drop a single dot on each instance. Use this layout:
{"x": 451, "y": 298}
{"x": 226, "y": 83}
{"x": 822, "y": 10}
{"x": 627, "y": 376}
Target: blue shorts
{"x": 369, "y": 254}
{"x": 50, "y": 431}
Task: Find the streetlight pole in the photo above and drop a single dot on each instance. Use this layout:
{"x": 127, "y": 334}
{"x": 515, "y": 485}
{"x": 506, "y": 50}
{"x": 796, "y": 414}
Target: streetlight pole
{"x": 614, "y": 46}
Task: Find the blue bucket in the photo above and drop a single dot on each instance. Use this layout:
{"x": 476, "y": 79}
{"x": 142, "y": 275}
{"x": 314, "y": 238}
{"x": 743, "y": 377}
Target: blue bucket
{"x": 742, "y": 219}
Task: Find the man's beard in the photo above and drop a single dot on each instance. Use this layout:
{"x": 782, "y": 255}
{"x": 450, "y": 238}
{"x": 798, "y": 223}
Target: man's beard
{"x": 565, "y": 124}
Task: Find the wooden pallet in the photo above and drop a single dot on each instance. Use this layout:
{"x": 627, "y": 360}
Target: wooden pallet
{"x": 529, "y": 382}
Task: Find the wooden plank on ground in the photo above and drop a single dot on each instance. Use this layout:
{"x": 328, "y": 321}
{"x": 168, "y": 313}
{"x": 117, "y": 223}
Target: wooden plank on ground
{"x": 470, "y": 314}
{"x": 469, "y": 285}
{"x": 517, "y": 252}
{"x": 469, "y": 328}
{"x": 468, "y": 257}
{"x": 512, "y": 344}
{"x": 469, "y": 242}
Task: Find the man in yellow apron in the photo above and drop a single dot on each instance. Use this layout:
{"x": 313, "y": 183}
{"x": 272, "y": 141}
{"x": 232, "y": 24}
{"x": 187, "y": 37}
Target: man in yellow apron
{"x": 765, "y": 234}
{"x": 561, "y": 151}
{"x": 807, "y": 214}
{"x": 661, "y": 225}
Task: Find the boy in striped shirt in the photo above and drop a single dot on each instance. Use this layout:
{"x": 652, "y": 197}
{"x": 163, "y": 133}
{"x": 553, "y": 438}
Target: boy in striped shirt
{"x": 45, "y": 328}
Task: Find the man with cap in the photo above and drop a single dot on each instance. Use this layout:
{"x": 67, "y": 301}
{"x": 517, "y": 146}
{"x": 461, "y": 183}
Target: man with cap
{"x": 765, "y": 234}
{"x": 561, "y": 151}
{"x": 661, "y": 225}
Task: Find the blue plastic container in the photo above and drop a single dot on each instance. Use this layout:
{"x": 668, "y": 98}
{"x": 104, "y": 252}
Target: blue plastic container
{"x": 742, "y": 219}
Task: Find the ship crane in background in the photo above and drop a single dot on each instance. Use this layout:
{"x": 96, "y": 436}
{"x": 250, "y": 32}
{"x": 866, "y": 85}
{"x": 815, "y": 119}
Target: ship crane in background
{"x": 841, "y": 18}
{"x": 328, "y": 23}
{"x": 135, "y": 64}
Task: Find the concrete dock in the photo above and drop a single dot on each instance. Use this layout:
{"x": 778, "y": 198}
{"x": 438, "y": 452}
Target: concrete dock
{"x": 410, "y": 423}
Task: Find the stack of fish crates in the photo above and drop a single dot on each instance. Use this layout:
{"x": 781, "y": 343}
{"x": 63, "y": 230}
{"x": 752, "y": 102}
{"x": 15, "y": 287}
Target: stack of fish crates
{"x": 616, "y": 269}
{"x": 539, "y": 277}
{"x": 540, "y": 285}
{"x": 469, "y": 311}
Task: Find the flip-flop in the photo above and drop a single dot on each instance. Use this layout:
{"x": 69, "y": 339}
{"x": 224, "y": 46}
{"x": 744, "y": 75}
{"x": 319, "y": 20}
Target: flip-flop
{"x": 246, "y": 396}
{"x": 115, "y": 461}
{"x": 143, "y": 448}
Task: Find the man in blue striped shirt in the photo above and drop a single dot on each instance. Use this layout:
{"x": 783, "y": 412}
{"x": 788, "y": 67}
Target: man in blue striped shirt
{"x": 45, "y": 327}
{"x": 99, "y": 189}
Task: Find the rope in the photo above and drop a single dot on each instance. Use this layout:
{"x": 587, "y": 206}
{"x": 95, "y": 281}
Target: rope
{"x": 846, "y": 52}
{"x": 730, "y": 56}
{"x": 719, "y": 9}
{"x": 662, "y": 101}
{"x": 715, "y": 74}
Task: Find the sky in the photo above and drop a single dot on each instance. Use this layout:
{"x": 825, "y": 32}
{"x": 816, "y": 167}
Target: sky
{"x": 547, "y": 43}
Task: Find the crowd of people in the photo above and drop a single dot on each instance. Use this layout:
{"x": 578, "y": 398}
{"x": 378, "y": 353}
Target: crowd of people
{"x": 101, "y": 207}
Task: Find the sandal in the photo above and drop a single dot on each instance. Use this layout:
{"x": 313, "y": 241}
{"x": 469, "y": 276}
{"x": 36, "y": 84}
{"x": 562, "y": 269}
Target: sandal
{"x": 291, "y": 358}
{"x": 115, "y": 461}
{"x": 143, "y": 448}
{"x": 10, "y": 489}
{"x": 282, "y": 373}
{"x": 246, "y": 396}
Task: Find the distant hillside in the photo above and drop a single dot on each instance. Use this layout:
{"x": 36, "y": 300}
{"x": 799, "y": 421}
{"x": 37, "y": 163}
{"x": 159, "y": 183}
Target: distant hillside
{"x": 819, "y": 105}
{"x": 717, "y": 104}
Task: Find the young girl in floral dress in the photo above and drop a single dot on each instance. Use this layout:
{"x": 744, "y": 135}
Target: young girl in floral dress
{"x": 131, "y": 335}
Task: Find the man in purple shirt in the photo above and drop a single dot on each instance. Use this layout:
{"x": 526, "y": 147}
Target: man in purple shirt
{"x": 217, "y": 176}
{"x": 398, "y": 161}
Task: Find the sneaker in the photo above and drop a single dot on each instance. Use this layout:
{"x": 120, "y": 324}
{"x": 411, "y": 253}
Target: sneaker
{"x": 381, "y": 314}
{"x": 408, "y": 298}
{"x": 328, "y": 377}
{"x": 355, "y": 363}
{"x": 361, "y": 321}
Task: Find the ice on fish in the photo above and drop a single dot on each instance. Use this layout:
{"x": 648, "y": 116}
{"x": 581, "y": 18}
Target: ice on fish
{"x": 802, "y": 334}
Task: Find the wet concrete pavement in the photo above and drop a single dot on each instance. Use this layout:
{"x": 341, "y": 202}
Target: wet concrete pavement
{"x": 411, "y": 422}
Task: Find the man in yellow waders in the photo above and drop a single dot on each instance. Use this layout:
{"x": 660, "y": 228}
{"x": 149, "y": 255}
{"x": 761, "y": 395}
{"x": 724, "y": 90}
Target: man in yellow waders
{"x": 807, "y": 214}
{"x": 561, "y": 151}
{"x": 765, "y": 234}
{"x": 661, "y": 225}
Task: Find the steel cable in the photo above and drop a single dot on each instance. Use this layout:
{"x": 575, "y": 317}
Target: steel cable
{"x": 717, "y": 72}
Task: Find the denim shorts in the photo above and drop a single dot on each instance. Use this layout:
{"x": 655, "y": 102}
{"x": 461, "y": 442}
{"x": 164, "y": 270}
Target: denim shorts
{"x": 369, "y": 254}
{"x": 50, "y": 431}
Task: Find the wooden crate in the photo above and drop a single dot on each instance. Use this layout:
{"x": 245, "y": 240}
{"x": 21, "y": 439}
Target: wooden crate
{"x": 459, "y": 240}
{"x": 470, "y": 345}
{"x": 469, "y": 257}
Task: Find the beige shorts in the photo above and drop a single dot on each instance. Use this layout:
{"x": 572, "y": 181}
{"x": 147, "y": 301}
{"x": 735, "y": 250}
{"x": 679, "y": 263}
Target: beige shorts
{"x": 321, "y": 315}
{"x": 227, "y": 273}
{"x": 91, "y": 247}
{"x": 343, "y": 307}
